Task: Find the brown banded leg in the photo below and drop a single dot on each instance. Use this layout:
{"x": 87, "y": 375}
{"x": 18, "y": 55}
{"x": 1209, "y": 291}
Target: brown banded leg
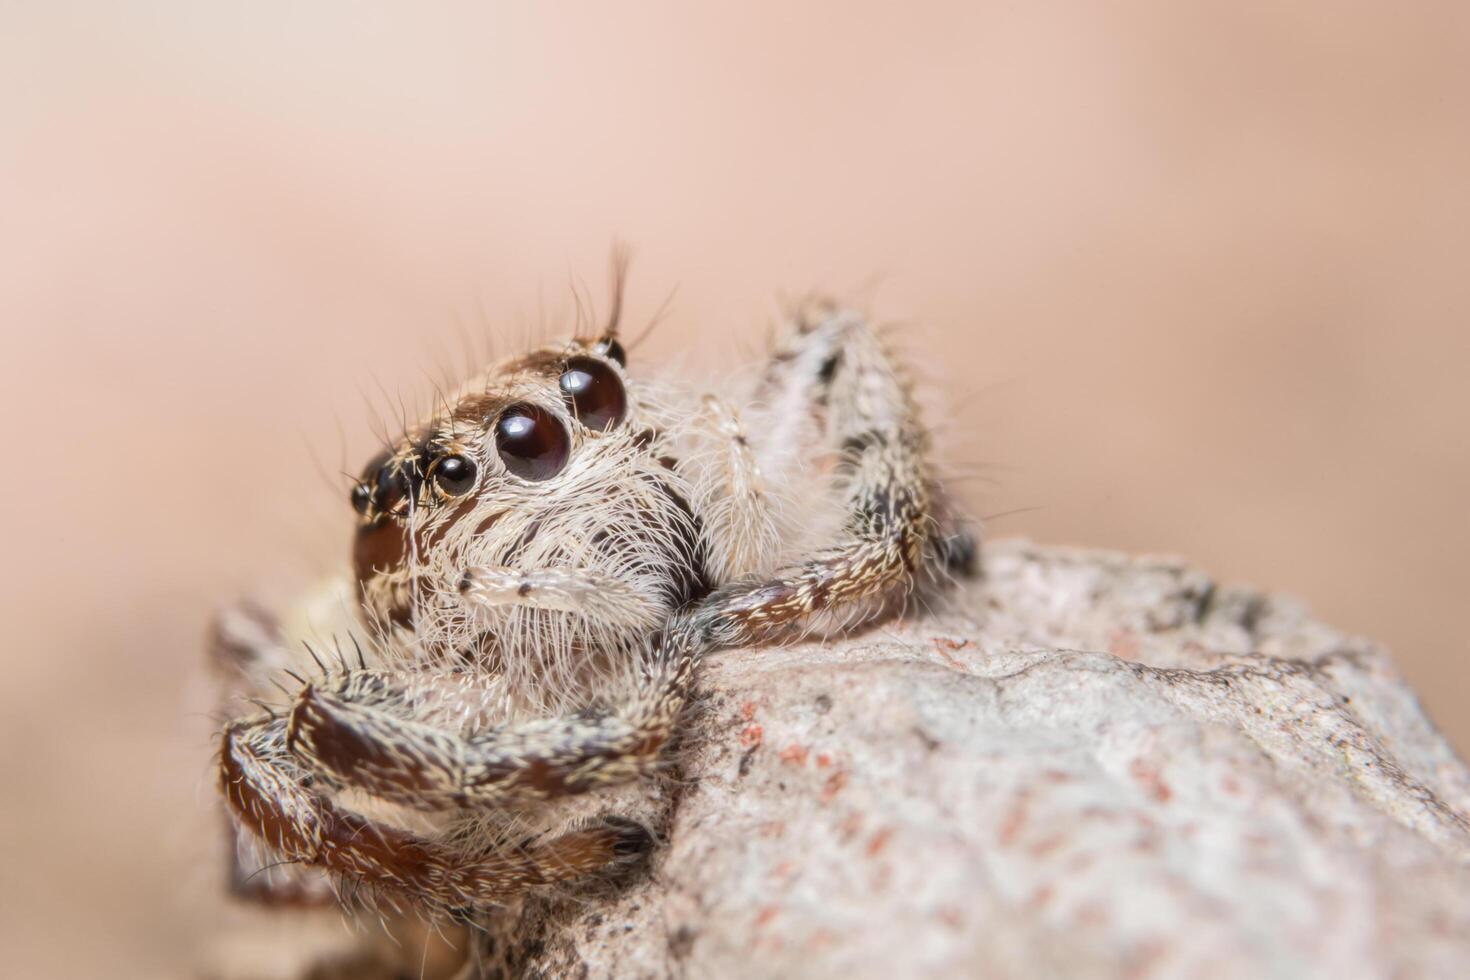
{"x": 267, "y": 792}
{"x": 369, "y": 745}
{"x": 787, "y": 404}
{"x": 245, "y": 643}
{"x": 834, "y": 367}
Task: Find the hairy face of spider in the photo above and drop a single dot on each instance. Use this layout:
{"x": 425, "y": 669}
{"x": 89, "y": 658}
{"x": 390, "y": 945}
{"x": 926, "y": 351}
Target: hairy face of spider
{"x": 471, "y": 526}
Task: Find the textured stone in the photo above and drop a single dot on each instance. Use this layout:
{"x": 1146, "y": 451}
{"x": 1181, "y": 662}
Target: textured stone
{"x": 1090, "y": 765}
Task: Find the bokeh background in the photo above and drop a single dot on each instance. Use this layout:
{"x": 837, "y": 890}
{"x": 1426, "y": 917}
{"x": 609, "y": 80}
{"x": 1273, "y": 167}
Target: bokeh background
{"x": 1193, "y": 278}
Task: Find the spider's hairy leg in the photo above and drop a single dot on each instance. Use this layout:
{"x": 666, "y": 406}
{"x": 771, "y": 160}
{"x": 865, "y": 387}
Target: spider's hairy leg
{"x": 788, "y": 400}
{"x": 835, "y": 368}
{"x": 246, "y": 644}
{"x": 793, "y": 422}
{"x": 730, "y": 494}
{"x": 269, "y": 794}
{"x": 255, "y": 877}
{"x": 368, "y": 745}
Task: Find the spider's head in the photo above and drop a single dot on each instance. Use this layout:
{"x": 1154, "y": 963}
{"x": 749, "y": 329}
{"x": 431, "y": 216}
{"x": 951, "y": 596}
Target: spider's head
{"x": 534, "y": 521}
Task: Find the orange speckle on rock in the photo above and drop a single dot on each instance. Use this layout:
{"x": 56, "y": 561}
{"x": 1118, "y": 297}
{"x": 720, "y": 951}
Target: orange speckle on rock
{"x": 794, "y": 755}
{"x": 833, "y": 786}
{"x": 945, "y": 647}
{"x": 1149, "y": 778}
{"x": 823, "y": 760}
{"x": 1013, "y": 821}
{"x": 1046, "y": 845}
{"x": 750, "y": 737}
{"x": 1143, "y": 957}
{"x": 879, "y": 841}
{"x": 766, "y": 914}
{"x": 747, "y": 710}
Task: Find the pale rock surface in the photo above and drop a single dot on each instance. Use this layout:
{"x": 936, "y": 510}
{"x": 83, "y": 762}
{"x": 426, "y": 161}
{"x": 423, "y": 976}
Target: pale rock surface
{"x": 1091, "y": 766}
{"x": 1087, "y": 766}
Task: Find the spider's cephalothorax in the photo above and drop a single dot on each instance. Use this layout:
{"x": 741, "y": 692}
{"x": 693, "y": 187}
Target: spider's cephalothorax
{"x": 538, "y": 527}
{"x": 537, "y": 570}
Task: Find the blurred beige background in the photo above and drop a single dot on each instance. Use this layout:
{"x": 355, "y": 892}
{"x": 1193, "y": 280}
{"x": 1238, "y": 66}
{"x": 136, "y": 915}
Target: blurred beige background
{"x": 1193, "y": 276}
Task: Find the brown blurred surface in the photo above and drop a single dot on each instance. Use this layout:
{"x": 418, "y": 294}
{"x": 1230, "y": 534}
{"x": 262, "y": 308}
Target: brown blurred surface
{"x": 1192, "y": 276}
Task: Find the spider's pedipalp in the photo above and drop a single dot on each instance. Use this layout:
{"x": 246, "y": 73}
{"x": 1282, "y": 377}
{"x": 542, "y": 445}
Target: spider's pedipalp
{"x": 737, "y": 520}
{"x": 596, "y": 597}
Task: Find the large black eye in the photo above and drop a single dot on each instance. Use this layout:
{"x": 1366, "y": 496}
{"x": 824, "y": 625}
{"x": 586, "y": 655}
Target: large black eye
{"x": 363, "y": 491}
{"x": 454, "y": 474}
{"x": 595, "y": 393}
{"x": 532, "y": 442}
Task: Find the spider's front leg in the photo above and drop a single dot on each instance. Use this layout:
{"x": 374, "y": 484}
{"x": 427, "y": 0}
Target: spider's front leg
{"x": 374, "y": 743}
{"x": 274, "y": 797}
{"x": 246, "y": 644}
{"x": 301, "y": 836}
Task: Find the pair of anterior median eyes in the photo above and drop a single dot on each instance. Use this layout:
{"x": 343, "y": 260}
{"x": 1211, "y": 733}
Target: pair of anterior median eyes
{"x": 531, "y": 441}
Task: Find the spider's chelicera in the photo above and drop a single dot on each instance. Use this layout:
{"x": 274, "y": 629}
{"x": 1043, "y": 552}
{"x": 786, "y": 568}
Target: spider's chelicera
{"x": 537, "y": 571}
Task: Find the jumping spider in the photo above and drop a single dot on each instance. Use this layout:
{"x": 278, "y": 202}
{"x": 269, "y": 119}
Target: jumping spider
{"x": 537, "y": 571}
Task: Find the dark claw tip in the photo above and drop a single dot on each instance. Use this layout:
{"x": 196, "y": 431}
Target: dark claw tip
{"x": 961, "y": 554}
{"x": 630, "y": 839}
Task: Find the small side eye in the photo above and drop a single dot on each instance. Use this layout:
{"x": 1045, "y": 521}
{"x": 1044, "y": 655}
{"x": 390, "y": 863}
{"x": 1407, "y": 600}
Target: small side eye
{"x": 454, "y": 475}
{"x": 533, "y": 443}
{"x": 390, "y": 487}
{"x": 363, "y": 490}
{"x": 595, "y": 393}
{"x": 609, "y": 347}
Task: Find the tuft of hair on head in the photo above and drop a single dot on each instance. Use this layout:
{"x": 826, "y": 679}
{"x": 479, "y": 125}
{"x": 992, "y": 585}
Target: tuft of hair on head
{"x": 611, "y": 330}
{"x": 622, "y": 257}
